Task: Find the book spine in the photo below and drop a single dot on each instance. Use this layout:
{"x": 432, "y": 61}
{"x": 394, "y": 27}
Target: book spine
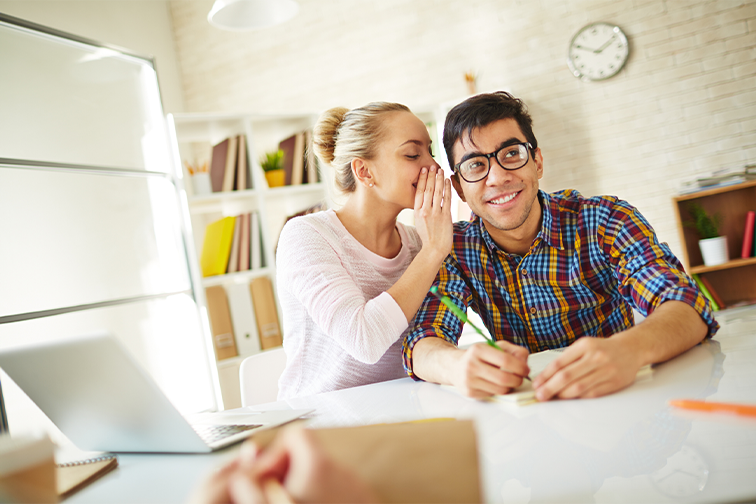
{"x": 705, "y": 292}
{"x": 717, "y": 298}
{"x": 747, "y": 249}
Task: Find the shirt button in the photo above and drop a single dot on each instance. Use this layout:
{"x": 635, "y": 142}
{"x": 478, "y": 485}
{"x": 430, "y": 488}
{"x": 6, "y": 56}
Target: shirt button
{"x": 524, "y": 272}
{"x": 533, "y": 310}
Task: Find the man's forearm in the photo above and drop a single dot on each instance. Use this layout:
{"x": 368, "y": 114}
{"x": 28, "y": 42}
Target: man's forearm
{"x": 671, "y": 329}
{"x": 433, "y": 359}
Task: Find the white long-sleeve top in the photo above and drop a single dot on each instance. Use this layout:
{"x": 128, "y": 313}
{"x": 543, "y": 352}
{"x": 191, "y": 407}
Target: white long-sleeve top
{"x": 341, "y": 328}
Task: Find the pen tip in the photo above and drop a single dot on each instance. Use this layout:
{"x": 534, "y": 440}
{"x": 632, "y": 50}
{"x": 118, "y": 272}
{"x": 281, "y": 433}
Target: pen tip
{"x": 434, "y": 289}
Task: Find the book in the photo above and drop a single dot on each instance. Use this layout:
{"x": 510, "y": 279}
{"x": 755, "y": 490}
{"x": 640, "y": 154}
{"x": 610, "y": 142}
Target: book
{"x": 243, "y": 319}
{"x": 218, "y": 157}
{"x": 255, "y": 248}
{"x": 264, "y": 303}
{"x": 705, "y": 292}
{"x": 75, "y": 475}
{"x": 244, "y": 241}
{"x": 297, "y": 169}
{"x": 747, "y": 249}
{"x": 221, "y": 326}
{"x": 287, "y": 146}
{"x": 712, "y": 292}
{"x": 230, "y": 172}
{"x": 242, "y": 181}
{"x": 216, "y": 246}
{"x": 232, "y": 266}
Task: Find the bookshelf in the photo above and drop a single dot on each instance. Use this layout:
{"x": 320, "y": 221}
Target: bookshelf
{"x": 194, "y": 135}
{"x": 735, "y": 280}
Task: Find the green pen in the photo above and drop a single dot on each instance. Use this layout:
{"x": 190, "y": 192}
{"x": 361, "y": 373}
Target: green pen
{"x": 463, "y": 317}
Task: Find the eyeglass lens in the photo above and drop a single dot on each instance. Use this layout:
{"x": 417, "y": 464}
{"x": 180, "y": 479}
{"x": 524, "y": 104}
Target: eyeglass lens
{"x": 512, "y": 157}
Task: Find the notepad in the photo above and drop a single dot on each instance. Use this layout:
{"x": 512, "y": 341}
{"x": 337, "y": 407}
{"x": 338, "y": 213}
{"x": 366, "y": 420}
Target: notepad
{"x": 525, "y": 393}
{"x": 74, "y": 475}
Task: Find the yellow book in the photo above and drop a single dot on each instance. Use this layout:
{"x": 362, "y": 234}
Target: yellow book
{"x": 217, "y": 246}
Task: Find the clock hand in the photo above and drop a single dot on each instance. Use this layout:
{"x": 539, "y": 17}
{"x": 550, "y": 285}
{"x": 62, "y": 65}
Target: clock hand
{"x": 606, "y": 44}
{"x": 584, "y": 48}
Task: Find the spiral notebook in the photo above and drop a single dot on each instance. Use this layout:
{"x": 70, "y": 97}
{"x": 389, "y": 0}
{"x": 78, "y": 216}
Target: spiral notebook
{"x": 75, "y": 474}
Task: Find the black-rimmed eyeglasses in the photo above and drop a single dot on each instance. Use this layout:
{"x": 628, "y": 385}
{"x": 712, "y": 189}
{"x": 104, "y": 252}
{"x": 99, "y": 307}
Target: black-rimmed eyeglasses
{"x": 510, "y": 157}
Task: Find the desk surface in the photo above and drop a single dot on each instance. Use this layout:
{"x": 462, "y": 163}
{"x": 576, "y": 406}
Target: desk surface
{"x": 626, "y": 447}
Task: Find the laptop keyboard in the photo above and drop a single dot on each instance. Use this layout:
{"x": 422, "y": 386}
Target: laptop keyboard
{"x": 212, "y": 433}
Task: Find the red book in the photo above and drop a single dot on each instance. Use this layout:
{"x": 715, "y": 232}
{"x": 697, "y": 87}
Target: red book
{"x": 748, "y": 235}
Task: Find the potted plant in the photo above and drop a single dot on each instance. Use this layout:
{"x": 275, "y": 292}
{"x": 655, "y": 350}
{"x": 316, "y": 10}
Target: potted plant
{"x": 713, "y": 246}
{"x": 272, "y": 165}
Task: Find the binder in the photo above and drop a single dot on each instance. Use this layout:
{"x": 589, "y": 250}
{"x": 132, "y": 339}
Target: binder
{"x": 220, "y": 322}
{"x": 243, "y": 221}
{"x": 266, "y": 313}
{"x": 243, "y": 319}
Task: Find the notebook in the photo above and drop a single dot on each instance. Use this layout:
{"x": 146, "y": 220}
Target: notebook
{"x": 102, "y": 400}
{"x": 537, "y": 362}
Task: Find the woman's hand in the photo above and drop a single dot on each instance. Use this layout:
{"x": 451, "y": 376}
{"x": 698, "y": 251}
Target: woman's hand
{"x": 433, "y": 211}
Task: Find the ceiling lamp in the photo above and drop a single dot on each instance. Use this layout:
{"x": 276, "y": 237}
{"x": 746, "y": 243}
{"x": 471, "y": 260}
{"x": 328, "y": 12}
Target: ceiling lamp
{"x": 245, "y": 15}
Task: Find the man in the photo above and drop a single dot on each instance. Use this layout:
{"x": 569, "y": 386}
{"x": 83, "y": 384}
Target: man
{"x": 542, "y": 270}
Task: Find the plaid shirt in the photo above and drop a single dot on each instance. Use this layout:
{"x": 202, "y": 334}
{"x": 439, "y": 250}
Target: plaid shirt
{"x": 592, "y": 262}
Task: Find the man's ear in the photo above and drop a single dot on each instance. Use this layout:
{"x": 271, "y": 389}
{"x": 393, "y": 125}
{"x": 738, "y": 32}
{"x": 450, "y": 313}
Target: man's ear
{"x": 458, "y": 186}
{"x": 538, "y": 160}
{"x": 361, "y": 172}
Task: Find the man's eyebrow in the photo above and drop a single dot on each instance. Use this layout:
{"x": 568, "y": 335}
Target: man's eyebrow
{"x": 505, "y": 143}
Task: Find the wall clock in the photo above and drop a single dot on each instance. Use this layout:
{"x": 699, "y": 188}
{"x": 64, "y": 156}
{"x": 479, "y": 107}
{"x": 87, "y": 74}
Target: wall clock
{"x": 598, "y": 51}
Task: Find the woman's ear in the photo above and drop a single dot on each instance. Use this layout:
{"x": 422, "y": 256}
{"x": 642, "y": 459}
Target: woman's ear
{"x": 361, "y": 172}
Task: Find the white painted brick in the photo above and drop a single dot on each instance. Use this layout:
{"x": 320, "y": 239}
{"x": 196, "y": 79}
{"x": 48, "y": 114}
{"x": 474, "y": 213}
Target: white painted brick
{"x": 684, "y": 105}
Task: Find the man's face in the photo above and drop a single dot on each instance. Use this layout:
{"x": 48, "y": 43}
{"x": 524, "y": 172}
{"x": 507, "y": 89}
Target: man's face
{"x": 504, "y": 199}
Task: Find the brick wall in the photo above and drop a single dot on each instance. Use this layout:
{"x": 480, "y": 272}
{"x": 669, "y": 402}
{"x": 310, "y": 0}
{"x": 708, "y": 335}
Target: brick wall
{"x": 684, "y": 105}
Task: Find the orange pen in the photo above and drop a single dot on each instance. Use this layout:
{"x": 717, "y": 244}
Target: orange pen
{"x": 715, "y": 407}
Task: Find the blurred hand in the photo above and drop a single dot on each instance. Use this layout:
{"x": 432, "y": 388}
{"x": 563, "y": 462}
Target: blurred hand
{"x": 294, "y": 461}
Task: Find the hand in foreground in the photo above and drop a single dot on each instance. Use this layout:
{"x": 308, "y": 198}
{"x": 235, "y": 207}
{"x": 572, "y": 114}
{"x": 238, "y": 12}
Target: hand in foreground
{"x": 590, "y": 367}
{"x": 433, "y": 210}
{"x": 295, "y": 461}
{"x": 484, "y": 371}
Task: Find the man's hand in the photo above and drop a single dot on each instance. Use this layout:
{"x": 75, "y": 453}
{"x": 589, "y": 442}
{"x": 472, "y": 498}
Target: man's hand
{"x": 480, "y": 371}
{"x": 590, "y": 367}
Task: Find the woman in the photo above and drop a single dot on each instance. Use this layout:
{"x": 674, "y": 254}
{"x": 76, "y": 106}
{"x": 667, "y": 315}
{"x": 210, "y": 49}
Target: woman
{"x": 349, "y": 281}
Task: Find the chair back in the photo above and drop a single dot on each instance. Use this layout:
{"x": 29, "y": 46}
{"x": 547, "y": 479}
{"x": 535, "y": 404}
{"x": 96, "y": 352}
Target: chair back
{"x": 259, "y": 374}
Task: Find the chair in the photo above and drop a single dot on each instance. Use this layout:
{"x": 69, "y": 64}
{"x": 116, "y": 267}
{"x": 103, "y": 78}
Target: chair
{"x": 258, "y": 376}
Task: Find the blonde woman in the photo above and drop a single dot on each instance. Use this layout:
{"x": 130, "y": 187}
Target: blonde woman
{"x": 350, "y": 280}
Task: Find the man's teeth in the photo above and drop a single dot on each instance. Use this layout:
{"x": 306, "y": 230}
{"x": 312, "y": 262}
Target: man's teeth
{"x": 499, "y": 201}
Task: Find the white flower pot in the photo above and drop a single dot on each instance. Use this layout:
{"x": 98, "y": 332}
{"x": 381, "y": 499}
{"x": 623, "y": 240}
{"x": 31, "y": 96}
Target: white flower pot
{"x": 714, "y": 250}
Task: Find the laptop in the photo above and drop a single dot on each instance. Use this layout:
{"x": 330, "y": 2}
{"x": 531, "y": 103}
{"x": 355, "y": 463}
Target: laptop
{"x": 102, "y": 400}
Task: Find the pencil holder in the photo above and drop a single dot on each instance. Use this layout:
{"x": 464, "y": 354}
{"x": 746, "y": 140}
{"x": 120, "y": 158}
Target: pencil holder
{"x": 201, "y": 183}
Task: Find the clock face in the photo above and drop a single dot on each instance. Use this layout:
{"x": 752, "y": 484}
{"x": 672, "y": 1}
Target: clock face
{"x": 598, "y": 51}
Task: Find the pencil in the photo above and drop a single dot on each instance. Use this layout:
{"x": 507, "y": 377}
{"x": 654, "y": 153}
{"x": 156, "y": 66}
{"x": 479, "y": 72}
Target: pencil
{"x": 463, "y": 317}
{"x": 715, "y": 407}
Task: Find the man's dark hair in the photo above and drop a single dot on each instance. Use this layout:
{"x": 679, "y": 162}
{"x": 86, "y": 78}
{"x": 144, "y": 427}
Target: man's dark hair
{"x": 481, "y": 110}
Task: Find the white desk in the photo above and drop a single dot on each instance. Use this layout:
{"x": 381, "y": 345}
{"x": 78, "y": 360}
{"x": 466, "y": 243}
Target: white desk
{"x": 627, "y": 447}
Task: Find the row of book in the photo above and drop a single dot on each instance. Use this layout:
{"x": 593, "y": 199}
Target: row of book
{"x": 299, "y": 162}
{"x": 243, "y": 318}
{"x": 709, "y": 293}
{"x": 228, "y": 165}
{"x": 720, "y": 178}
{"x": 232, "y": 244}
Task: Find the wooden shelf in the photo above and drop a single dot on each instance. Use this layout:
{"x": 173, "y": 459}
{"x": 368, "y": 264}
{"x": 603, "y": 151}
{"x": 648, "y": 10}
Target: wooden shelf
{"x": 735, "y": 280}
